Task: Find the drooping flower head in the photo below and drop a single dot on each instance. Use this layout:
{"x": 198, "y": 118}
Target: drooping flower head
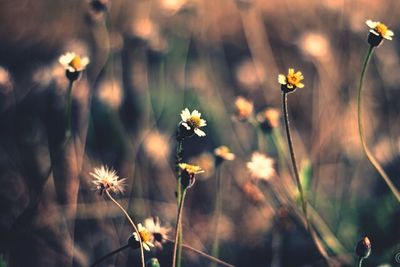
{"x": 145, "y": 237}
{"x": 191, "y": 123}
{"x": 159, "y": 233}
{"x": 291, "y": 81}
{"x": 261, "y": 166}
{"x": 378, "y": 32}
{"x": 243, "y": 108}
{"x": 106, "y": 179}
{"x": 74, "y": 64}
{"x": 188, "y": 174}
{"x": 223, "y": 153}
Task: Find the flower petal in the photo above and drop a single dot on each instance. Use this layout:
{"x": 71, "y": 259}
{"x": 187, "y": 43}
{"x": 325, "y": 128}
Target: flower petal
{"x": 371, "y": 24}
{"x": 199, "y": 132}
{"x": 282, "y": 79}
{"x": 185, "y": 114}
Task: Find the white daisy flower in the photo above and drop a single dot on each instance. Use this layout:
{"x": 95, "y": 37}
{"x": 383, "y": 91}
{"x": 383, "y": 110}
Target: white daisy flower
{"x": 193, "y": 122}
{"x": 72, "y": 62}
{"x": 159, "y": 233}
{"x": 379, "y": 29}
{"x": 145, "y": 236}
{"x": 261, "y": 166}
{"x": 106, "y": 179}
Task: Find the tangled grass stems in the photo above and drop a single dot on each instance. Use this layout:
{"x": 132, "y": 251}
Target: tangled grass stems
{"x": 367, "y": 152}
{"x": 176, "y": 257}
{"x": 132, "y": 224}
{"x": 109, "y": 255}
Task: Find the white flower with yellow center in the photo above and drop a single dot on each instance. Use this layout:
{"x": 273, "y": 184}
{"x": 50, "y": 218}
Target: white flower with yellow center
{"x": 159, "y": 233}
{"x": 261, "y": 166}
{"x": 193, "y": 121}
{"x": 106, "y": 179}
{"x": 379, "y": 29}
{"x": 145, "y": 237}
{"x": 73, "y": 62}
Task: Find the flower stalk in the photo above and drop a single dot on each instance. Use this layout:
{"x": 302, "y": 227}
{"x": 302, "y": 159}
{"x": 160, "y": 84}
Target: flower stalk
{"x": 68, "y": 131}
{"x": 367, "y": 151}
{"x": 176, "y": 258}
{"x": 132, "y": 224}
{"x": 293, "y": 157}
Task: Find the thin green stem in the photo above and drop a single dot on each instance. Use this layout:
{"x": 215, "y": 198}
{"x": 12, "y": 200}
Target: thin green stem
{"x": 133, "y": 226}
{"x": 314, "y": 237}
{"x": 203, "y": 254}
{"x": 69, "y": 108}
{"x": 217, "y": 214}
{"x": 176, "y": 257}
{"x": 360, "y": 261}
{"x": 178, "y": 159}
{"x": 109, "y": 255}
{"x": 293, "y": 157}
{"x": 367, "y": 152}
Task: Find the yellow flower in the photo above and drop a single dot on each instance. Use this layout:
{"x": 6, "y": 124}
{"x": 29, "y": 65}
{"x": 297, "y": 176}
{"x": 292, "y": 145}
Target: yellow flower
{"x": 193, "y": 122}
{"x": 261, "y": 166}
{"x": 244, "y": 108}
{"x": 73, "y": 62}
{"x": 188, "y": 174}
{"x": 158, "y": 232}
{"x": 223, "y": 152}
{"x": 379, "y": 29}
{"x": 191, "y": 169}
{"x": 145, "y": 236}
{"x": 292, "y": 80}
{"x": 107, "y": 180}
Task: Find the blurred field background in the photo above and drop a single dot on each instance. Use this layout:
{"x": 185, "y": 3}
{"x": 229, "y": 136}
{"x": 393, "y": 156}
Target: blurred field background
{"x": 151, "y": 59}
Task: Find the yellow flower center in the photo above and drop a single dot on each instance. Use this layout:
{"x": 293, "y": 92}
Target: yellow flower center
{"x": 76, "y": 62}
{"x": 381, "y": 29}
{"x": 293, "y": 79}
{"x": 194, "y": 121}
{"x": 145, "y": 235}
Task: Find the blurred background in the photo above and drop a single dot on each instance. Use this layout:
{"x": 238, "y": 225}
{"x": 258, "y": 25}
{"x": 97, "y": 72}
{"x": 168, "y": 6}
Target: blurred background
{"x": 149, "y": 59}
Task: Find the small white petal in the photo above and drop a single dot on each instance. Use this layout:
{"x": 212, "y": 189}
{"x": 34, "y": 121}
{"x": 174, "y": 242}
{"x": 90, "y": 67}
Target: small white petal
{"x": 199, "y": 132}
{"x": 186, "y": 126}
{"x": 195, "y": 113}
{"x": 371, "y": 24}
{"x": 203, "y": 123}
{"x": 282, "y": 79}
{"x": 185, "y": 114}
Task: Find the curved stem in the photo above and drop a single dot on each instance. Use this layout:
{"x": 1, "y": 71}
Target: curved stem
{"x": 203, "y": 254}
{"x": 313, "y": 234}
{"x": 217, "y": 211}
{"x": 69, "y": 108}
{"x": 293, "y": 157}
{"x": 133, "y": 226}
{"x": 109, "y": 255}
{"x": 367, "y": 152}
{"x": 360, "y": 260}
{"x": 176, "y": 258}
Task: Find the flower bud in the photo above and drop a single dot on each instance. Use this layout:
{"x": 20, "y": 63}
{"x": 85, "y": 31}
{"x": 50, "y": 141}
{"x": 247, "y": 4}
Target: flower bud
{"x": 363, "y": 248}
{"x": 153, "y": 262}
